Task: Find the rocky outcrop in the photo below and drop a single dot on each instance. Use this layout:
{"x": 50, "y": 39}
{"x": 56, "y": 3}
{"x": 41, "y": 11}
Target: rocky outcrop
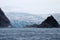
{"x": 4, "y": 21}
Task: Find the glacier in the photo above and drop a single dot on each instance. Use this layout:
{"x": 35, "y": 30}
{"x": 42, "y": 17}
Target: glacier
{"x": 19, "y": 20}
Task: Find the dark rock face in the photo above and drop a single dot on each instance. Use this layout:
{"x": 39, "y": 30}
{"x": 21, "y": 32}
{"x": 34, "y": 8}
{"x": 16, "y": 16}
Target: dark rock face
{"x": 50, "y": 22}
{"x": 4, "y": 21}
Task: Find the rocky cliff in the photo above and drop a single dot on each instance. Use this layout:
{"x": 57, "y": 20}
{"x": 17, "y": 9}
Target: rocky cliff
{"x": 4, "y": 21}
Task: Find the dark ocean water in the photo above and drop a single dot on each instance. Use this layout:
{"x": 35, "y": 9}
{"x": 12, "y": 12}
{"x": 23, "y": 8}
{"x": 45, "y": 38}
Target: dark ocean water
{"x": 29, "y": 33}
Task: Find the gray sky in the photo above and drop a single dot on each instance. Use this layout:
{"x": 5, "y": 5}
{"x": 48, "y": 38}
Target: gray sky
{"x": 31, "y": 6}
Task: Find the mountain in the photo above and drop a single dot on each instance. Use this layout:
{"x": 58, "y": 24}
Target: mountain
{"x": 55, "y": 15}
{"x": 50, "y": 22}
{"x": 4, "y": 21}
{"x": 23, "y": 19}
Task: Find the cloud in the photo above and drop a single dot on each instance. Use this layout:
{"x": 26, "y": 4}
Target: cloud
{"x": 31, "y": 6}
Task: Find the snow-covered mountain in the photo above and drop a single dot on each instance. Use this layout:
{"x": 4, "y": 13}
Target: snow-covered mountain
{"x": 23, "y": 19}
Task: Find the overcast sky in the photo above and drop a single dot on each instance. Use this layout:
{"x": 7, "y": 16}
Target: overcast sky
{"x": 31, "y": 6}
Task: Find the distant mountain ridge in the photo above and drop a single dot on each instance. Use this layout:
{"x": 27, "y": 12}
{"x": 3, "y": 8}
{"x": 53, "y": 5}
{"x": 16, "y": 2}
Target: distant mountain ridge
{"x": 21, "y": 20}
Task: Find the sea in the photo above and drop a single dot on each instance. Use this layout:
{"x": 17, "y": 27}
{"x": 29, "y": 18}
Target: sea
{"x": 29, "y": 33}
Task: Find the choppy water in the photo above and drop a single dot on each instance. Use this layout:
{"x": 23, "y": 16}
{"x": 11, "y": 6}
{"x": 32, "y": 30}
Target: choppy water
{"x": 30, "y": 34}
